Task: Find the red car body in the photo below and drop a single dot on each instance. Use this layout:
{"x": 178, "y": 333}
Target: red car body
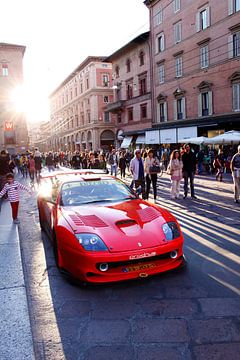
{"x": 131, "y": 230}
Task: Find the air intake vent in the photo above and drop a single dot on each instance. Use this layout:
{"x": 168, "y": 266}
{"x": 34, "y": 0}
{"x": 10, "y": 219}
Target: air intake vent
{"x": 125, "y": 223}
{"x": 87, "y": 220}
{"x": 148, "y": 214}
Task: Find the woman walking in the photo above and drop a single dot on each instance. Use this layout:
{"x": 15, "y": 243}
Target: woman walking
{"x": 151, "y": 166}
{"x": 175, "y": 170}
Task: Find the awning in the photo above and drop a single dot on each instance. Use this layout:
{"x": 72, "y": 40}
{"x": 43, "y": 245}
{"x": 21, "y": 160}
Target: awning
{"x": 168, "y": 136}
{"x": 186, "y": 133}
{"x": 126, "y": 142}
{"x": 153, "y": 137}
{"x": 140, "y": 139}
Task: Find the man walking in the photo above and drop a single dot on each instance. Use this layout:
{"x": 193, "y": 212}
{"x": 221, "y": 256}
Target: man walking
{"x": 235, "y": 168}
{"x": 113, "y": 162}
{"x": 137, "y": 170}
{"x": 189, "y": 169}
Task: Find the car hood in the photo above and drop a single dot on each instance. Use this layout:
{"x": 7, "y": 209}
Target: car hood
{"x": 126, "y": 226}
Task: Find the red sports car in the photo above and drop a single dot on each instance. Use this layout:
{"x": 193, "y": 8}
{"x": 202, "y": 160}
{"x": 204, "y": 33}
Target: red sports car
{"x": 102, "y": 231}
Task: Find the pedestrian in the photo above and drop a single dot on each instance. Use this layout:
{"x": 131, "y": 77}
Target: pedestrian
{"x": 38, "y": 164}
{"x": 218, "y": 166}
{"x": 76, "y": 160}
{"x": 113, "y": 162}
{"x": 4, "y": 167}
{"x": 11, "y": 188}
{"x": 31, "y": 168}
{"x": 137, "y": 170}
{"x": 189, "y": 170}
{"x": 122, "y": 163}
{"x": 93, "y": 161}
{"x": 200, "y": 158}
{"x": 50, "y": 161}
{"x": 175, "y": 170}
{"x": 102, "y": 162}
{"x": 235, "y": 169}
{"x": 152, "y": 167}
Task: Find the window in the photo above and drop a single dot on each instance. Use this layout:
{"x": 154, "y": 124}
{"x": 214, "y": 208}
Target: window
{"x": 143, "y": 111}
{"x": 141, "y": 58}
{"x": 176, "y": 5}
{"x": 160, "y": 46}
{"x": 88, "y": 117}
{"x": 162, "y": 110}
{"x": 204, "y": 62}
{"x": 179, "y": 108}
{"x": 236, "y": 44}
{"x": 178, "y": 66}
{"x": 119, "y": 117}
{"x": 203, "y": 18}
{"x": 130, "y": 114}
{"x": 105, "y": 99}
{"x": 158, "y": 17}
{"x": 178, "y": 32}
{"x": 143, "y": 86}
{"x": 82, "y": 118}
{"x": 233, "y": 6}
{"x": 161, "y": 73}
{"x": 105, "y": 80}
{"x": 76, "y": 92}
{"x": 87, "y": 84}
{"x": 205, "y": 103}
{"x": 128, "y": 65}
{"x": 81, "y": 88}
{"x": 129, "y": 94}
{"x": 106, "y": 116}
{"x": 4, "y": 70}
{"x": 236, "y": 97}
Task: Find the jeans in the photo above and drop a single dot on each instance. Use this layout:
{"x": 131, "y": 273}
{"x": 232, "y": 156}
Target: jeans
{"x": 114, "y": 169}
{"x": 190, "y": 175}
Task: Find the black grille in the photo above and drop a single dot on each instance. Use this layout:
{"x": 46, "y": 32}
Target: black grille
{"x": 116, "y": 264}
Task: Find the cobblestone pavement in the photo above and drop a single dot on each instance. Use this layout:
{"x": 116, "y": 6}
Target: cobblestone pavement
{"x": 188, "y": 314}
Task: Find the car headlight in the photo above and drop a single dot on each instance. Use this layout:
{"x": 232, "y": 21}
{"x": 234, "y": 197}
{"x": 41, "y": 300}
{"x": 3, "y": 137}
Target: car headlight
{"x": 91, "y": 242}
{"x": 170, "y": 230}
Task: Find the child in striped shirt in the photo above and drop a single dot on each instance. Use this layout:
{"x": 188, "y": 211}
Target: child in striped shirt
{"x": 12, "y": 188}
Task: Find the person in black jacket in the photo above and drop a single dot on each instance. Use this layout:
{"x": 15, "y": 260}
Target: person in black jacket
{"x": 5, "y": 167}
{"x": 189, "y": 169}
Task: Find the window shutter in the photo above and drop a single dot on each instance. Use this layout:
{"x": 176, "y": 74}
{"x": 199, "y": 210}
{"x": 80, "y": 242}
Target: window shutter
{"x": 230, "y": 46}
{"x": 210, "y": 99}
{"x": 158, "y": 112}
{"x": 165, "y": 112}
{"x": 156, "y": 45}
{"x": 163, "y": 43}
{"x": 230, "y": 7}
{"x": 200, "y": 105}
{"x": 184, "y": 107}
{"x": 175, "y": 109}
{"x": 198, "y": 22}
{"x": 208, "y": 16}
{"x": 236, "y": 97}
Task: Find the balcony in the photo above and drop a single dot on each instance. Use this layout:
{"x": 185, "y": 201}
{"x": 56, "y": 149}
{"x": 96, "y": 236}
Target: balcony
{"x": 115, "y": 107}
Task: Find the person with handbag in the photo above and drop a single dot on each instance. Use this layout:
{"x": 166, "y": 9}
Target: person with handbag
{"x": 175, "y": 170}
{"x": 152, "y": 168}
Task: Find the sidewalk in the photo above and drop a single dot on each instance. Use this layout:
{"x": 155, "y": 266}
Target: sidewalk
{"x": 16, "y": 336}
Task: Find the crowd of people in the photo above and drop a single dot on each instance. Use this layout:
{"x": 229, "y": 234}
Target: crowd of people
{"x": 143, "y": 165}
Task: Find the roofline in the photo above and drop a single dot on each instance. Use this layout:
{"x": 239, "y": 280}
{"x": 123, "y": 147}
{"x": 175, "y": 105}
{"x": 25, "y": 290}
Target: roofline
{"x": 77, "y": 69}
{"x": 21, "y": 47}
{"x": 135, "y": 42}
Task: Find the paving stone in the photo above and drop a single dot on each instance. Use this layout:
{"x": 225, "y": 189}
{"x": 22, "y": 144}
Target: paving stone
{"x": 156, "y": 352}
{"x": 220, "y": 306}
{"x": 170, "y": 308}
{"x": 113, "y": 310}
{"x": 214, "y": 330}
{"x": 160, "y": 331}
{"x": 186, "y": 292}
{"x": 110, "y": 352}
{"x": 106, "y": 332}
{"x": 217, "y": 352}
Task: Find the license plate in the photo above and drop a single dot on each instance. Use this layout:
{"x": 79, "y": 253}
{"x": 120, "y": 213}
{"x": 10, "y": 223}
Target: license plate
{"x": 138, "y": 267}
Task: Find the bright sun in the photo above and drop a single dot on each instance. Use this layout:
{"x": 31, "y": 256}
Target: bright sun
{"x": 28, "y": 101}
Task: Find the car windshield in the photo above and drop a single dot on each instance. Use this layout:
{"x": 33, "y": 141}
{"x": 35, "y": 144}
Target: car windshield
{"x": 85, "y": 192}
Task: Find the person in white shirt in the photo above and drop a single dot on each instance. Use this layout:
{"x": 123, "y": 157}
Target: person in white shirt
{"x": 12, "y": 188}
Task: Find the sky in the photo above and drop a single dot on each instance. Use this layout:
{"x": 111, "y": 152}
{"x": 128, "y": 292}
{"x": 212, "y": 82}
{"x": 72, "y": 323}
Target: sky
{"x": 60, "y": 34}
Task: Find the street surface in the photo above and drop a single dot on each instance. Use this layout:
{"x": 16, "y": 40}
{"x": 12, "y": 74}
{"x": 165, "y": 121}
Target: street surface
{"x": 193, "y": 313}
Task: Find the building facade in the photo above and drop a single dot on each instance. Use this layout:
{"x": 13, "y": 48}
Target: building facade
{"x": 79, "y": 120}
{"x": 132, "y": 91}
{"x": 13, "y": 126}
{"x": 195, "y": 46}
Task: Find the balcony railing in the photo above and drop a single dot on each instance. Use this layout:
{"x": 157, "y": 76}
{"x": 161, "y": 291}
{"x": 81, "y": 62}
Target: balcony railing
{"x": 115, "y": 107}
